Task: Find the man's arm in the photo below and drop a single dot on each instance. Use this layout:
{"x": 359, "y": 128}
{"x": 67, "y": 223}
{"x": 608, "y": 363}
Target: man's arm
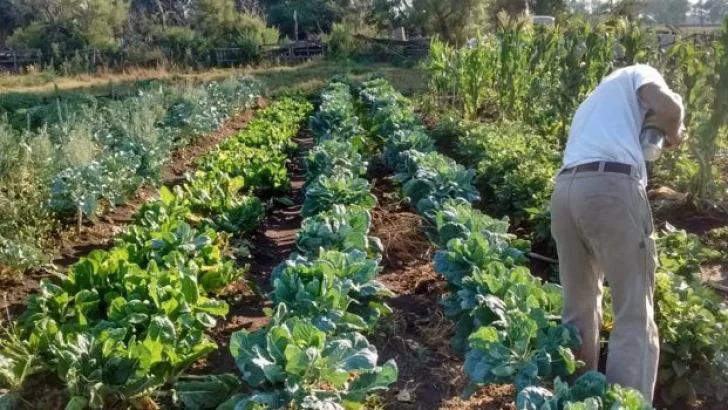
{"x": 667, "y": 109}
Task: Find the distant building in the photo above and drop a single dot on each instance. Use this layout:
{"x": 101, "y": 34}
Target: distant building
{"x": 544, "y": 20}
{"x": 399, "y": 34}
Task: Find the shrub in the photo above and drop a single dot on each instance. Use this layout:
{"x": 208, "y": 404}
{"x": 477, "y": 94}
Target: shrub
{"x": 179, "y": 44}
{"x": 341, "y": 41}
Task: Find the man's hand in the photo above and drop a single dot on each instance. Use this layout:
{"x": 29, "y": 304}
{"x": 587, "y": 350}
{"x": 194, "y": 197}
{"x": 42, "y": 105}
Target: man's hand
{"x": 667, "y": 112}
{"x": 671, "y": 145}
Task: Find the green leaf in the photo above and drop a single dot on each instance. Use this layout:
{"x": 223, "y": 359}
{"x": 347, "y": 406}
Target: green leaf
{"x": 213, "y": 307}
{"x": 372, "y": 380}
{"x": 166, "y": 196}
{"x": 207, "y": 393}
{"x": 77, "y": 403}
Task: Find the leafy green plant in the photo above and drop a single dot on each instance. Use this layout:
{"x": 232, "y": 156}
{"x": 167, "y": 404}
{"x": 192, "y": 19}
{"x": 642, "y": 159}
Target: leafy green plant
{"x": 19, "y": 359}
{"x": 262, "y": 169}
{"x": 339, "y": 189}
{"x": 523, "y": 348}
{"x": 429, "y": 179}
{"x": 82, "y": 155}
{"x": 404, "y": 140}
{"x": 216, "y": 197}
{"x": 124, "y": 323}
{"x": 515, "y": 167}
{"x": 331, "y": 155}
{"x": 484, "y": 281}
{"x": 294, "y": 363}
{"x": 683, "y": 253}
{"x": 341, "y": 229}
{"x": 337, "y": 290}
{"x": 694, "y": 347}
{"x": 456, "y": 218}
{"x": 335, "y": 117}
{"x": 589, "y": 392}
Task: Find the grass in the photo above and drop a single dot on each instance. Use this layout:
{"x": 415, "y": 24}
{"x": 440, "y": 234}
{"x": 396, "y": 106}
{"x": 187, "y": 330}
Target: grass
{"x": 301, "y": 78}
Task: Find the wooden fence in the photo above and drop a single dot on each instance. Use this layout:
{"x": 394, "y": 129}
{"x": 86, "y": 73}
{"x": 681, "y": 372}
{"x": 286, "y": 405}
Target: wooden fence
{"x": 386, "y": 48}
{"x": 289, "y": 54}
{"x": 14, "y": 61}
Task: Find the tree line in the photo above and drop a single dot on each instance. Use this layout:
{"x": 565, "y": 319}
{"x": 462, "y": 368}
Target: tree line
{"x": 184, "y": 30}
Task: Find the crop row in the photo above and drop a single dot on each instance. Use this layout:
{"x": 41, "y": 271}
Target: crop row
{"x": 313, "y": 353}
{"x": 514, "y": 169}
{"x": 506, "y": 320}
{"x": 95, "y": 154}
{"x": 124, "y": 323}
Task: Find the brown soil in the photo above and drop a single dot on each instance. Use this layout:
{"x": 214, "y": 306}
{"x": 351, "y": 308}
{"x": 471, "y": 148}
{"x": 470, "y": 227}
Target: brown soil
{"x": 417, "y": 335}
{"x": 272, "y": 245}
{"x": 99, "y": 234}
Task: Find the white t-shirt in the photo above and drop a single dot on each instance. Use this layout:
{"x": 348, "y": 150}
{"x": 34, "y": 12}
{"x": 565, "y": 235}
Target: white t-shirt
{"x": 607, "y": 125}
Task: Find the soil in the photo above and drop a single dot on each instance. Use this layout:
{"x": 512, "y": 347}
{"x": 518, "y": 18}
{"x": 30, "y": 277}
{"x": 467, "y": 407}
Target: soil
{"x": 417, "y": 335}
{"x": 272, "y": 245}
{"x": 72, "y": 245}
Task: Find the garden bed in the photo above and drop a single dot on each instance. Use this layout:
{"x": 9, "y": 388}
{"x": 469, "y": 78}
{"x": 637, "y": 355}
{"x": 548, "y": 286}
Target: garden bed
{"x": 70, "y": 245}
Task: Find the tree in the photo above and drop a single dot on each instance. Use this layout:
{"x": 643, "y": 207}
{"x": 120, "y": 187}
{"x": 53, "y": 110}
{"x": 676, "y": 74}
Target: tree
{"x": 711, "y": 11}
{"x": 577, "y": 6}
{"x": 536, "y": 7}
{"x": 388, "y": 14}
{"x": 668, "y": 11}
{"x": 9, "y": 19}
{"x": 67, "y": 25}
{"x": 224, "y": 26}
{"x": 547, "y": 7}
{"x": 314, "y": 16}
{"x": 512, "y": 7}
{"x": 453, "y": 21}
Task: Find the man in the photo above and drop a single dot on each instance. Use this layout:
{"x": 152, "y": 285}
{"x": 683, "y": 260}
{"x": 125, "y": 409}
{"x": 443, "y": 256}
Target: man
{"x": 602, "y": 222}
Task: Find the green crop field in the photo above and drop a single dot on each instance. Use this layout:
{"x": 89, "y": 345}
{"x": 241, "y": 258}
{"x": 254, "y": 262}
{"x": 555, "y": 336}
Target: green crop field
{"x": 360, "y": 231}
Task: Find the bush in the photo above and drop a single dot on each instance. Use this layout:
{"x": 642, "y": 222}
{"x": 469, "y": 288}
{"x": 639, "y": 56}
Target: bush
{"x": 179, "y": 44}
{"x": 49, "y": 39}
{"x": 341, "y": 42}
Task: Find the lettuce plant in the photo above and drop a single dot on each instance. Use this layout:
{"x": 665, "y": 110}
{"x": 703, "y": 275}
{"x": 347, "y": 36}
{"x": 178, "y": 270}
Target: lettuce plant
{"x": 337, "y": 290}
{"x": 293, "y": 363}
{"x": 340, "y": 189}
{"x": 341, "y": 229}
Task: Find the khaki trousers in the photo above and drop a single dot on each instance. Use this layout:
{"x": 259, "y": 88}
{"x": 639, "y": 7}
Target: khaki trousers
{"x": 602, "y": 224}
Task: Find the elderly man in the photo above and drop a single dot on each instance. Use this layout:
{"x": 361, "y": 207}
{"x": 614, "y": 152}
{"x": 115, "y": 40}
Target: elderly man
{"x": 602, "y": 222}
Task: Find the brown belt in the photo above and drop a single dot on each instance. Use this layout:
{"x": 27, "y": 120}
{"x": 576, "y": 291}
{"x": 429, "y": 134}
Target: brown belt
{"x": 616, "y": 167}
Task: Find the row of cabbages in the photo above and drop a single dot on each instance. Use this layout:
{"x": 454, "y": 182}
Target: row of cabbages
{"x": 506, "y": 320}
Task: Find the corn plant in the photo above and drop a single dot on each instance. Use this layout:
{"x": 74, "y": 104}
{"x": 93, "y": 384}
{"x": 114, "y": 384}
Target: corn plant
{"x": 587, "y": 56}
{"x": 439, "y": 67}
{"x": 475, "y": 71}
{"x": 514, "y": 63}
{"x": 634, "y": 41}
{"x": 712, "y": 130}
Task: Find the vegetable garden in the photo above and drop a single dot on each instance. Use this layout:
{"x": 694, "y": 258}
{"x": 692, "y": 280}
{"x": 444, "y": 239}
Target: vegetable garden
{"x": 469, "y": 165}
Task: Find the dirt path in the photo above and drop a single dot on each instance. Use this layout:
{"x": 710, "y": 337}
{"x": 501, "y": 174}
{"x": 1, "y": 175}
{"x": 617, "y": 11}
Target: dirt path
{"x": 272, "y": 245}
{"x": 100, "y": 233}
{"x": 417, "y": 335}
